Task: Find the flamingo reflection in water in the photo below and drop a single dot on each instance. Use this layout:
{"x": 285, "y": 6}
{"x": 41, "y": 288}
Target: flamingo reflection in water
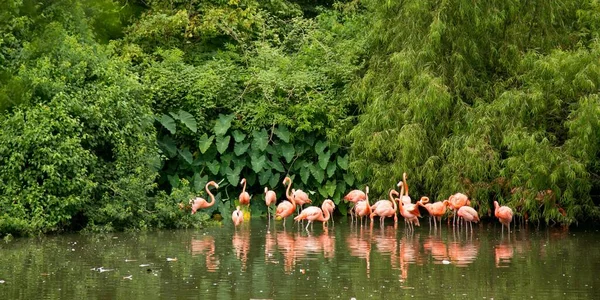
{"x": 359, "y": 246}
{"x": 206, "y": 246}
{"x": 241, "y": 245}
{"x": 463, "y": 254}
{"x": 437, "y": 248}
{"x": 296, "y": 247}
{"x": 503, "y": 253}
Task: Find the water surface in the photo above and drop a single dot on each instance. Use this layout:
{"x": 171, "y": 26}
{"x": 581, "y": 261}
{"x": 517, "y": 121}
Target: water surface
{"x": 344, "y": 261}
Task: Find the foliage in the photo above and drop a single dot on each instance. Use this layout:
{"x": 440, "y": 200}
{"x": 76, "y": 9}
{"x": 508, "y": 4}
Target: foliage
{"x": 477, "y": 97}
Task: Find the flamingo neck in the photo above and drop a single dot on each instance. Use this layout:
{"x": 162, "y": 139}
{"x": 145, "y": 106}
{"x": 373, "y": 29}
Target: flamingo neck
{"x": 288, "y": 194}
{"x": 244, "y": 188}
{"x": 393, "y": 201}
{"x": 212, "y": 197}
{"x": 326, "y": 214}
{"x": 404, "y": 184}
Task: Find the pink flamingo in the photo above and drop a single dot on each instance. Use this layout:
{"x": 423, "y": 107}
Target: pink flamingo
{"x": 468, "y": 214}
{"x": 409, "y": 216}
{"x": 436, "y": 210}
{"x": 314, "y": 213}
{"x": 504, "y": 215}
{"x": 406, "y": 201}
{"x": 237, "y": 216}
{"x": 286, "y": 208}
{"x": 330, "y": 206}
{"x": 244, "y": 196}
{"x": 301, "y": 198}
{"x": 270, "y": 199}
{"x": 362, "y": 208}
{"x": 200, "y": 203}
{"x": 355, "y": 196}
{"x": 385, "y": 208}
{"x": 457, "y": 201}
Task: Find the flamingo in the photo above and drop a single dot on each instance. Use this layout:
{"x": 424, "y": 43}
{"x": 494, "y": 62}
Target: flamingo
{"x": 408, "y": 205}
{"x": 270, "y": 199}
{"x": 200, "y": 203}
{"x": 362, "y": 208}
{"x": 504, "y": 215}
{"x": 424, "y": 202}
{"x": 385, "y": 208}
{"x": 468, "y": 214}
{"x": 314, "y": 213}
{"x": 237, "y": 216}
{"x": 286, "y": 208}
{"x": 330, "y": 206}
{"x": 409, "y": 216}
{"x": 301, "y": 198}
{"x": 354, "y": 196}
{"x": 457, "y": 201}
{"x": 244, "y": 196}
{"x": 436, "y": 210}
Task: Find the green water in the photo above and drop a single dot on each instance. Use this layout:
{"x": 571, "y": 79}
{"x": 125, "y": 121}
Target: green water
{"x": 261, "y": 262}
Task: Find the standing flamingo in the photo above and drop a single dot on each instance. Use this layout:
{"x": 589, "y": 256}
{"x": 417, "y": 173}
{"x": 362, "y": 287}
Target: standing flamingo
{"x": 436, "y": 210}
{"x": 385, "y": 208}
{"x": 286, "y": 208}
{"x": 314, "y": 213}
{"x": 301, "y": 198}
{"x": 410, "y": 217}
{"x": 405, "y": 198}
{"x": 504, "y": 215}
{"x": 457, "y": 201}
{"x": 468, "y": 214}
{"x": 270, "y": 199}
{"x": 362, "y": 208}
{"x": 200, "y": 203}
{"x": 244, "y": 196}
{"x": 354, "y": 196}
{"x": 424, "y": 202}
{"x": 237, "y": 216}
{"x": 330, "y": 206}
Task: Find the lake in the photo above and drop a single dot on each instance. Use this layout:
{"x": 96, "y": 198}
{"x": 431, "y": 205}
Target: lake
{"x": 345, "y": 261}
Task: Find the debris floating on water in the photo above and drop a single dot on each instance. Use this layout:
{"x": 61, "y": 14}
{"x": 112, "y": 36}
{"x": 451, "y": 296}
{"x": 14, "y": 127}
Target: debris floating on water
{"x": 171, "y": 259}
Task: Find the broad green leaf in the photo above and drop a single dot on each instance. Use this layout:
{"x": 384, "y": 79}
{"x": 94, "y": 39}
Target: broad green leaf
{"x": 240, "y": 148}
{"x": 272, "y": 150}
{"x": 250, "y": 177}
{"x": 227, "y": 157}
{"x": 258, "y": 162}
{"x": 205, "y": 142}
{"x": 199, "y": 182}
{"x": 276, "y": 164}
{"x": 213, "y": 167}
{"x": 283, "y": 133}
{"x": 223, "y": 143}
{"x": 331, "y": 169}
{"x": 238, "y": 136}
{"x": 274, "y": 180}
{"x": 342, "y": 208}
{"x": 263, "y": 177}
{"x": 304, "y": 175}
{"x": 287, "y": 150}
{"x": 330, "y": 187}
{"x": 349, "y": 179}
{"x": 223, "y": 124}
{"x": 240, "y": 162}
{"x": 174, "y": 180}
{"x": 310, "y": 140}
{"x": 343, "y": 162}
{"x": 155, "y": 163}
{"x": 188, "y": 120}
{"x": 317, "y": 173}
{"x": 168, "y": 123}
{"x": 320, "y": 147}
{"x": 233, "y": 176}
{"x": 322, "y": 191}
{"x": 260, "y": 139}
{"x": 167, "y": 144}
{"x": 187, "y": 155}
{"x": 324, "y": 159}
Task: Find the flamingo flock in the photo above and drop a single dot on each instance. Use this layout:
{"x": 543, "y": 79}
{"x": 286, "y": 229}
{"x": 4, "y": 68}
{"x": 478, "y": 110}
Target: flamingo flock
{"x": 360, "y": 207}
